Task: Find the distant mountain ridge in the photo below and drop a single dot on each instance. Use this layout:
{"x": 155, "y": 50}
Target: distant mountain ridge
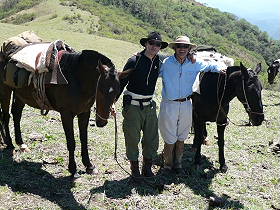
{"x": 272, "y": 26}
{"x": 130, "y": 20}
{"x": 265, "y": 14}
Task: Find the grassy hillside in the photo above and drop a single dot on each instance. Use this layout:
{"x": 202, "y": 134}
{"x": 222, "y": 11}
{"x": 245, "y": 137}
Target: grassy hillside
{"x": 83, "y": 28}
{"x": 49, "y": 25}
{"x": 39, "y": 179}
{"x": 129, "y": 21}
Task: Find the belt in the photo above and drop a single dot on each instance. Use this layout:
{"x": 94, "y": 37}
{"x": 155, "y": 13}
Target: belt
{"x": 181, "y": 99}
{"x": 137, "y": 103}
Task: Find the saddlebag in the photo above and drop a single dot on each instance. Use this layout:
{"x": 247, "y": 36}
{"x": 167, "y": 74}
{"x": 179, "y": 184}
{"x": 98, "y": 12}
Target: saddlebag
{"x": 16, "y": 77}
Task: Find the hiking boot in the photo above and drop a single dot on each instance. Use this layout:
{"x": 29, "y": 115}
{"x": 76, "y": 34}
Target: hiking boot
{"x": 134, "y": 166}
{"x": 179, "y": 151}
{"x": 147, "y": 167}
{"x": 168, "y": 156}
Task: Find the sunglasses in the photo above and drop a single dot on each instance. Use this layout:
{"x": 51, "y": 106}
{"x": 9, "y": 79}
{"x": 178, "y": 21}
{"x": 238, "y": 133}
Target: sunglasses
{"x": 182, "y": 45}
{"x": 155, "y": 43}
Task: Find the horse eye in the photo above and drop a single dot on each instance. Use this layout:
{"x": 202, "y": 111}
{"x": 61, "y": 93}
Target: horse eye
{"x": 111, "y": 90}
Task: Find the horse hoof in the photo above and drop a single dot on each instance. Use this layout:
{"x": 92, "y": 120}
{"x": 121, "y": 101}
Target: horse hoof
{"x": 92, "y": 170}
{"x": 24, "y": 148}
{"x": 224, "y": 169}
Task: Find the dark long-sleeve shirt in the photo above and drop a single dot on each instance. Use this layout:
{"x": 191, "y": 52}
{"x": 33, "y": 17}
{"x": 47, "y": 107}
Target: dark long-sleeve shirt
{"x": 142, "y": 80}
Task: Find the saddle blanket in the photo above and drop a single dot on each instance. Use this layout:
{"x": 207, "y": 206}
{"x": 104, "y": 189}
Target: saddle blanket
{"x": 32, "y": 57}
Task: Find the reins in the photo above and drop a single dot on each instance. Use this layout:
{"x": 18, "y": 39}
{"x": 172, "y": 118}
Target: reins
{"x": 248, "y": 108}
{"x": 246, "y": 101}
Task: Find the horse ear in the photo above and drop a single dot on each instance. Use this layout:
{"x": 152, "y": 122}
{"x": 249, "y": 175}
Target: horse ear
{"x": 258, "y": 68}
{"x": 124, "y": 74}
{"x": 101, "y": 68}
{"x": 244, "y": 72}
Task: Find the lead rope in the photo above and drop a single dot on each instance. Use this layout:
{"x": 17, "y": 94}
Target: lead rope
{"x": 116, "y": 153}
{"x": 116, "y": 147}
{"x": 220, "y": 103}
{"x": 153, "y": 185}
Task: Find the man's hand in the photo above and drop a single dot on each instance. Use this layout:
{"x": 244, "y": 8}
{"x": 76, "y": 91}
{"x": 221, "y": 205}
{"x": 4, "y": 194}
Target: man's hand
{"x": 192, "y": 57}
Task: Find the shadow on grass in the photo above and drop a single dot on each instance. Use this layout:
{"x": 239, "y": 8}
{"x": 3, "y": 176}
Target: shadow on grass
{"x": 29, "y": 177}
{"x": 198, "y": 180}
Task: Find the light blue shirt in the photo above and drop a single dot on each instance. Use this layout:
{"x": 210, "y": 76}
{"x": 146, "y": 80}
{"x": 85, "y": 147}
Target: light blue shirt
{"x": 178, "y": 79}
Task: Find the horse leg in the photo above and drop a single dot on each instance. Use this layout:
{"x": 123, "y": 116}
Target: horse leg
{"x": 5, "y": 117}
{"x": 83, "y": 120}
{"x": 205, "y": 135}
{"x": 221, "y": 144}
{"x": 198, "y": 140}
{"x": 17, "y": 107}
{"x": 67, "y": 123}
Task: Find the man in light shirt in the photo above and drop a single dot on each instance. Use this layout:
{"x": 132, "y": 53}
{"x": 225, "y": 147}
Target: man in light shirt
{"x": 175, "y": 118}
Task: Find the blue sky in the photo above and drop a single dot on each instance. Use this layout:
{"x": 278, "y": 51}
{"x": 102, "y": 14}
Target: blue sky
{"x": 263, "y": 13}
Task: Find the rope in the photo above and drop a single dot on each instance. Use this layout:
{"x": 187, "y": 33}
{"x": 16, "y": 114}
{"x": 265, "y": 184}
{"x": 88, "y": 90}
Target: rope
{"x": 40, "y": 94}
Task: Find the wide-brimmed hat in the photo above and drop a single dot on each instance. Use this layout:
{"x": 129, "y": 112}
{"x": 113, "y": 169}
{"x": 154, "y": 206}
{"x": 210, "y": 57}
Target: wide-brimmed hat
{"x": 154, "y": 36}
{"x": 181, "y": 40}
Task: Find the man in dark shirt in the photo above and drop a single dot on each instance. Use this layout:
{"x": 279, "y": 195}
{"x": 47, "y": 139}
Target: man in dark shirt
{"x": 139, "y": 110}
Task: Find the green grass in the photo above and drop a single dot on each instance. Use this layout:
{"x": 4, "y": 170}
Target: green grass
{"x": 39, "y": 179}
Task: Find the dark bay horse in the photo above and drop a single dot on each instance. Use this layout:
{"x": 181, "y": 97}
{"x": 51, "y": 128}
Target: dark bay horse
{"x": 273, "y": 70}
{"x": 212, "y": 104}
{"x": 91, "y": 77}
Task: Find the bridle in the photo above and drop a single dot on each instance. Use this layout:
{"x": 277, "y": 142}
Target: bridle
{"x": 248, "y": 108}
{"x": 103, "y": 118}
{"x": 220, "y": 108}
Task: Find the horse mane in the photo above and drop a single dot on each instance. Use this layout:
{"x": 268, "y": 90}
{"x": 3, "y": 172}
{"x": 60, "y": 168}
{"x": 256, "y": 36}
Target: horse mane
{"x": 106, "y": 61}
{"x": 70, "y": 60}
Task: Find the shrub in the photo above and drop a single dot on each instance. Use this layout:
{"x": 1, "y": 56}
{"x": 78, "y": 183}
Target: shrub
{"x": 23, "y": 18}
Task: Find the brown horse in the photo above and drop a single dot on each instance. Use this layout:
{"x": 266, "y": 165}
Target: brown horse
{"x": 91, "y": 77}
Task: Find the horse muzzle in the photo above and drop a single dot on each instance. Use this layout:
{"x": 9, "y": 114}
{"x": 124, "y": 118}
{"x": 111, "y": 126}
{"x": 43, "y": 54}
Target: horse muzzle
{"x": 101, "y": 123}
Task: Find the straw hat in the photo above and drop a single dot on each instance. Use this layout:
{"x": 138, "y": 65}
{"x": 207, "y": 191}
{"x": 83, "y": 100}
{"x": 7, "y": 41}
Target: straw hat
{"x": 181, "y": 40}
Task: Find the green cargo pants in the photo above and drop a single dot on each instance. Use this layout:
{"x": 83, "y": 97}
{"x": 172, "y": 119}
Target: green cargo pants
{"x": 135, "y": 121}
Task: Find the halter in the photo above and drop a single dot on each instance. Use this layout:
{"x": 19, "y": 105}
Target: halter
{"x": 248, "y": 108}
{"x": 111, "y": 72}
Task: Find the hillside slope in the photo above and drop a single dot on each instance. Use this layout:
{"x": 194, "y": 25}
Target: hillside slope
{"x": 129, "y": 21}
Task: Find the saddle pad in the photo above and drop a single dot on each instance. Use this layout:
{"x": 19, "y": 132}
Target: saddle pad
{"x": 196, "y": 84}
{"x": 215, "y": 58}
{"x": 26, "y": 57}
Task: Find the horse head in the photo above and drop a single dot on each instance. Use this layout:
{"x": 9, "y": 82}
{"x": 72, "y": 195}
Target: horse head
{"x": 273, "y": 70}
{"x": 249, "y": 93}
{"x": 108, "y": 88}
